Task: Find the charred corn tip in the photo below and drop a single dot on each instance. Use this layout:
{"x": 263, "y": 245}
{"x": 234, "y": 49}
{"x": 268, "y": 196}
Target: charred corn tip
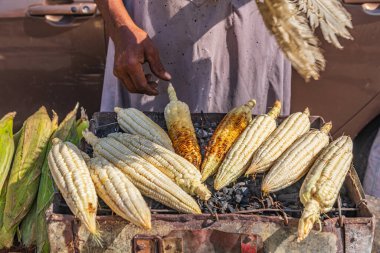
{"x": 90, "y": 137}
{"x": 251, "y": 170}
{"x": 172, "y": 93}
{"x": 265, "y": 189}
{"x": 276, "y": 110}
{"x": 117, "y": 109}
{"x": 203, "y": 192}
{"x": 309, "y": 216}
{"x": 326, "y": 128}
{"x": 251, "y": 103}
{"x": 306, "y": 111}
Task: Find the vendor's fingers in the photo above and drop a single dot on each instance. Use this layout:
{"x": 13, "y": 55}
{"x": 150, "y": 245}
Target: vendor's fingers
{"x": 153, "y": 58}
{"x": 129, "y": 84}
{"x": 137, "y": 76}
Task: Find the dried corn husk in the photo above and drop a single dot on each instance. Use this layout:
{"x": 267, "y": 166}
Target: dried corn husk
{"x": 294, "y": 36}
{"x": 330, "y": 15}
{"x": 25, "y": 172}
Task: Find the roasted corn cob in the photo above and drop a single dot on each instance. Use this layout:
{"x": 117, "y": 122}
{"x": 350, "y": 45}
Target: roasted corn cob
{"x": 287, "y": 132}
{"x": 73, "y": 179}
{"x": 228, "y": 130}
{"x": 177, "y": 168}
{"x": 7, "y": 146}
{"x": 134, "y": 121}
{"x": 119, "y": 193}
{"x": 147, "y": 178}
{"x": 181, "y": 129}
{"x": 25, "y": 172}
{"x": 296, "y": 160}
{"x": 239, "y": 157}
{"x": 323, "y": 182}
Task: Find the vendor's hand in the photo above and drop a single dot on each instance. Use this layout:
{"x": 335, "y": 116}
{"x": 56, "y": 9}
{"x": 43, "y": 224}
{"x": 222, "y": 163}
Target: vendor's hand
{"x": 133, "y": 47}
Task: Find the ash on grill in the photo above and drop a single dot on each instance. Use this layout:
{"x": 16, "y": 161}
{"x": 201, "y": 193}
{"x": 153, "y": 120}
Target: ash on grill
{"x": 242, "y": 197}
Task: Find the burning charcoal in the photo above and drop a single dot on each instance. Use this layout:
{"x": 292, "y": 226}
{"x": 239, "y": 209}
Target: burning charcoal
{"x": 224, "y": 206}
{"x": 225, "y": 190}
{"x": 245, "y": 191}
{"x": 231, "y": 209}
{"x": 238, "y": 198}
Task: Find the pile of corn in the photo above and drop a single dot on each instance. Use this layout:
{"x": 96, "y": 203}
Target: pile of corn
{"x": 26, "y": 186}
{"x": 146, "y": 161}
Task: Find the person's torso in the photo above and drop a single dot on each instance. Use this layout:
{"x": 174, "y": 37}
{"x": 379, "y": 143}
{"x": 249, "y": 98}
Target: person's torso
{"x": 218, "y": 52}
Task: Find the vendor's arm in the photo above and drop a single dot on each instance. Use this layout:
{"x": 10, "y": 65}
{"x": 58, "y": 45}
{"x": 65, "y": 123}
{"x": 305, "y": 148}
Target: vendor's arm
{"x": 133, "y": 47}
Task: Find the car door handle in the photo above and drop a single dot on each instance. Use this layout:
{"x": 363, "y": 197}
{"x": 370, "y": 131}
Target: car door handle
{"x": 75, "y": 9}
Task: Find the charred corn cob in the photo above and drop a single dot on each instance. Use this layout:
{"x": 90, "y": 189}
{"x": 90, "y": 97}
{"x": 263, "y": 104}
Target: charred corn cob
{"x": 287, "y": 132}
{"x": 73, "y": 179}
{"x": 228, "y": 130}
{"x": 181, "y": 129}
{"x": 296, "y": 160}
{"x": 239, "y": 157}
{"x": 7, "y": 146}
{"x": 119, "y": 193}
{"x": 134, "y": 121}
{"x": 323, "y": 182}
{"x": 25, "y": 173}
{"x": 147, "y": 178}
{"x": 177, "y": 168}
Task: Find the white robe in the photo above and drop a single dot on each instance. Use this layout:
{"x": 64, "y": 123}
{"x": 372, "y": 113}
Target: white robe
{"x": 219, "y": 54}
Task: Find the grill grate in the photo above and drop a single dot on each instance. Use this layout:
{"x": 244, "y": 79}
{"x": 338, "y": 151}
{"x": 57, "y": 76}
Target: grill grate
{"x": 244, "y": 197}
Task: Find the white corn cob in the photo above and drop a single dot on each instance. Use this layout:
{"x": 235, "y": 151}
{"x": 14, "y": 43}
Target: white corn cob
{"x": 239, "y": 157}
{"x": 177, "y": 168}
{"x": 323, "y": 182}
{"x": 119, "y": 193}
{"x": 296, "y": 160}
{"x": 71, "y": 175}
{"x": 134, "y": 121}
{"x": 286, "y": 133}
{"x": 147, "y": 178}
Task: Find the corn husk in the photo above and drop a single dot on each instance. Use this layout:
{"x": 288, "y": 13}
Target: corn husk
{"x": 294, "y": 36}
{"x": 7, "y": 146}
{"x": 28, "y": 227}
{"x": 68, "y": 130}
{"x": 330, "y": 15}
{"x": 25, "y": 172}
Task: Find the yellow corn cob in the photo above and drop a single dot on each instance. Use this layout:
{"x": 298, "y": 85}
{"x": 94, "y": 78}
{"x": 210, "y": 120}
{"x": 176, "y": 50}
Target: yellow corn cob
{"x": 177, "y": 168}
{"x": 323, "y": 182}
{"x": 73, "y": 179}
{"x": 228, "y": 130}
{"x": 239, "y": 157}
{"x": 25, "y": 173}
{"x": 181, "y": 129}
{"x": 119, "y": 193}
{"x": 296, "y": 160}
{"x": 287, "y": 132}
{"x": 7, "y": 146}
{"x": 134, "y": 121}
{"x": 147, "y": 178}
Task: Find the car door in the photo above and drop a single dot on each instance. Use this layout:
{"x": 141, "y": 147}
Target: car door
{"x": 52, "y": 53}
{"x": 348, "y": 92}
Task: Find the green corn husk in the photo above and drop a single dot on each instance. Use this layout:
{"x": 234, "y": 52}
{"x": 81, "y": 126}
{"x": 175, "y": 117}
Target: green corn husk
{"x": 7, "y": 146}
{"x": 69, "y": 130}
{"x": 25, "y": 172}
{"x": 28, "y": 227}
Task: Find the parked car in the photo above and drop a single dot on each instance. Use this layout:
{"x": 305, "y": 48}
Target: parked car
{"x": 52, "y": 52}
